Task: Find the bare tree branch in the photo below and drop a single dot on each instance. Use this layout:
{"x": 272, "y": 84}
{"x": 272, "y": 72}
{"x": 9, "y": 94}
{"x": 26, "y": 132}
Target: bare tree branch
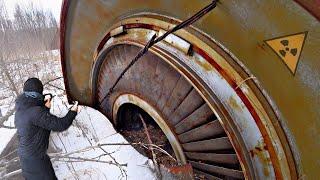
{"x": 7, "y": 127}
{"x": 51, "y": 80}
{"x": 13, "y": 173}
{"x": 6, "y": 117}
{"x": 48, "y": 84}
{"x": 154, "y": 157}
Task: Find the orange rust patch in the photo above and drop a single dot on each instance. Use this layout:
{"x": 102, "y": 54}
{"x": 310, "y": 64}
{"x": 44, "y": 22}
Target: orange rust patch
{"x": 233, "y": 103}
{"x": 185, "y": 169}
{"x": 260, "y": 151}
{"x": 204, "y": 64}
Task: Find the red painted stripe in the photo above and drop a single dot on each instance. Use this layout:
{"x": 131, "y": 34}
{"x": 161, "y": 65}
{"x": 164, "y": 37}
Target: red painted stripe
{"x": 312, "y": 6}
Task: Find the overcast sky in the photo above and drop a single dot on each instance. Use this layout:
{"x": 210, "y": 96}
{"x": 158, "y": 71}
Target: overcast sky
{"x": 52, "y": 5}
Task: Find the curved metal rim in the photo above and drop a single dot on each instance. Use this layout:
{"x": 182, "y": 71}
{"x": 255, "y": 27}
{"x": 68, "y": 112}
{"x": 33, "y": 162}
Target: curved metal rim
{"x": 63, "y": 29}
{"x": 133, "y": 99}
{"x": 188, "y": 37}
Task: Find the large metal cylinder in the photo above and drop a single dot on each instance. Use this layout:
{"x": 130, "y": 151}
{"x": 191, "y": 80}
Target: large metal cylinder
{"x": 254, "y": 63}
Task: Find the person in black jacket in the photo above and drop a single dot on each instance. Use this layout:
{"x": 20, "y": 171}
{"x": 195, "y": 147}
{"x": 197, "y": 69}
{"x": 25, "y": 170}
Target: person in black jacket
{"x": 34, "y": 124}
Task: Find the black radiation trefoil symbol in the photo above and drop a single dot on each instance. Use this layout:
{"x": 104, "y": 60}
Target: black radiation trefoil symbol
{"x": 286, "y": 49}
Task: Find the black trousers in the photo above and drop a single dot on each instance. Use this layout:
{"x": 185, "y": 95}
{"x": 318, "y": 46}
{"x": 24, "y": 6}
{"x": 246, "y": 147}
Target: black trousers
{"x": 37, "y": 168}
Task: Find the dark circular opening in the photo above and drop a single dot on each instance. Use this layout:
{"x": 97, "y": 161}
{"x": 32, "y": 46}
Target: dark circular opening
{"x": 130, "y": 120}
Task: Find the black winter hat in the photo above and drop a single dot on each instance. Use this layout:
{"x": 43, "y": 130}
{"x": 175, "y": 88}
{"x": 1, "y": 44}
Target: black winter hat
{"x": 33, "y": 84}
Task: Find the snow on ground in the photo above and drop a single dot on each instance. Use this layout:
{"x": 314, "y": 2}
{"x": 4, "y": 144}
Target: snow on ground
{"x": 55, "y": 52}
{"x": 89, "y": 129}
{"x": 6, "y": 134}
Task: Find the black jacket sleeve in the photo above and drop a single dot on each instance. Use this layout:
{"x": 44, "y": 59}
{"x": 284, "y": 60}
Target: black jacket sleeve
{"x": 50, "y": 122}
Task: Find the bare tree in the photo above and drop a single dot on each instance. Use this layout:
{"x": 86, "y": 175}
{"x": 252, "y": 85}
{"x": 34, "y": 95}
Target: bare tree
{"x": 24, "y": 44}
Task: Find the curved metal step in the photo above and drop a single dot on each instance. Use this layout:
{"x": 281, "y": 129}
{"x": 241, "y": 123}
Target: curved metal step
{"x": 203, "y": 175}
{"x": 205, "y": 131}
{"x": 190, "y": 103}
{"x": 218, "y": 170}
{"x": 213, "y": 157}
{"x": 198, "y": 117}
{"x": 222, "y": 143}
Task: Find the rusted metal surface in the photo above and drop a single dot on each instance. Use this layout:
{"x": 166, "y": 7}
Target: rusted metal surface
{"x": 203, "y": 175}
{"x": 208, "y": 145}
{"x": 218, "y": 170}
{"x": 187, "y": 106}
{"x": 198, "y": 117}
{"x": 177, "y": 42}
{"x": 214, "y": 157}
{"x": 210, "y": 129}
{"x": 184, "y": 172}
{"x": 270, "y": 99}
{"x": 179, "y": 92}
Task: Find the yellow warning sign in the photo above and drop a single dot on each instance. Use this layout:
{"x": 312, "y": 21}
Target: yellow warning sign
{"x": 288, "y": 48}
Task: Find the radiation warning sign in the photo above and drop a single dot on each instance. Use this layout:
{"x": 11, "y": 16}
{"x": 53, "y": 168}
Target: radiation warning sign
{"x": 288, "y": 48}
